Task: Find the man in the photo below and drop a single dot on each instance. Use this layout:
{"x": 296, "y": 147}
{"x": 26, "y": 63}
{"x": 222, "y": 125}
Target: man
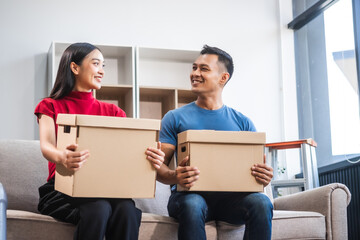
{"x": 210, "y": 72}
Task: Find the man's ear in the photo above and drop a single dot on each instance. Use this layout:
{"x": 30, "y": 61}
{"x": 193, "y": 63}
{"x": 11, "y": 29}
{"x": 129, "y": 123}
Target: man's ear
{"x": 74, "y": 68}
{"x": 224, "y": 78}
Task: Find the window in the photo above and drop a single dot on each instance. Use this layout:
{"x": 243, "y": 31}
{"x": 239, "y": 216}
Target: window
{"x": 342, "y": 79}
{"x": 327, "y": 68}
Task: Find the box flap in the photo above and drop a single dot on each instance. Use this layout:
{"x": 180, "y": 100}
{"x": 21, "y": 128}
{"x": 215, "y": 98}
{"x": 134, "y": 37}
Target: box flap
{"x": 109, "y": 122}
{"x": 212, "y": 136}
{"x": 66, "y": 119}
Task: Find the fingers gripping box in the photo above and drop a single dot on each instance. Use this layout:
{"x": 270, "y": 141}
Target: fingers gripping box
{"x": 224, "y": 159}
{"x": 117, "y": 166}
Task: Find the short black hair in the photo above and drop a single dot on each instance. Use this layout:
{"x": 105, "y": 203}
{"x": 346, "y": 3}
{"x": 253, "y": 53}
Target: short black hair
{"x": 223, "y": 57}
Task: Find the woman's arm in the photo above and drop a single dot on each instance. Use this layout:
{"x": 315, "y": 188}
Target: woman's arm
{"x": 71, "y": 159}
{"x": 164, "y": 173}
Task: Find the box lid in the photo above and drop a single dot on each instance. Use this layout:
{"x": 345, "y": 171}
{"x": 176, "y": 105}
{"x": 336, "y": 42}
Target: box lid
{"x": 107, "y": 122}
{"x": 212, "y": 136}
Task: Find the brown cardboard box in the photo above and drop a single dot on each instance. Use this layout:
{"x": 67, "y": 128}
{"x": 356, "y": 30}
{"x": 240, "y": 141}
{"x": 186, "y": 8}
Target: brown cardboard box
{"x": 224, "y": 159}
{"x": 117, "y": 166}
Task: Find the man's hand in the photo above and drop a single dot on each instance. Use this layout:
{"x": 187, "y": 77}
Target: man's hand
{"x": 155, "y": 156}
{"x": 186, "y": 176}
{"x": 262, "y": 173}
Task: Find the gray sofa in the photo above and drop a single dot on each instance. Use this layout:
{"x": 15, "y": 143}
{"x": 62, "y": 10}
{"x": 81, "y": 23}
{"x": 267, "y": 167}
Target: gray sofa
{"x": 314, "y": 214}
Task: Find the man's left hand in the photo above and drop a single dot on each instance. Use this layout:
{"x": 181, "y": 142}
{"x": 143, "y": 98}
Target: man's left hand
{"x": 262, "y": 173}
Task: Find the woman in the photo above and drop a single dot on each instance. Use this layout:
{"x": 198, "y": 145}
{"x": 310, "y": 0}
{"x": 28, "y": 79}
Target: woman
{"x": 80, "y": 71}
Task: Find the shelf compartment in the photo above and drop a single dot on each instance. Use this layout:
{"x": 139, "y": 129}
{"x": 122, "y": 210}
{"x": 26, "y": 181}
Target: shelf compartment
{"x": 120, "y": 95}
{"x": 164, "y": 67}
{"x": 156, "y": 102}
{"x": 184, "y": 97}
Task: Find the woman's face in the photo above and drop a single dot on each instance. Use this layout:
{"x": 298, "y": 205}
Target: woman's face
{"x": 89, "y": 74}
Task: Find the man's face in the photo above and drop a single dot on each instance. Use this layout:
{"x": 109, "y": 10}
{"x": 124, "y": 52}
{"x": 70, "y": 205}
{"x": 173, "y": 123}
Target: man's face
{"x": 207, "y": 73}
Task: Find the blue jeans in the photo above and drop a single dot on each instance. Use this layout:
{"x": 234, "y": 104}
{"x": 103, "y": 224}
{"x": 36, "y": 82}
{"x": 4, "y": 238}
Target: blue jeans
{"x": 192, "y": 210}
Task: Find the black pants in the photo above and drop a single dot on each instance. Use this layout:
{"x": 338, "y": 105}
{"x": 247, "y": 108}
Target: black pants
{"x": 94, "y": 217}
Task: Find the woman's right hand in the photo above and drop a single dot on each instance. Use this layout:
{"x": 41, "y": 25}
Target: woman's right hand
{"x": 72, "y": 159}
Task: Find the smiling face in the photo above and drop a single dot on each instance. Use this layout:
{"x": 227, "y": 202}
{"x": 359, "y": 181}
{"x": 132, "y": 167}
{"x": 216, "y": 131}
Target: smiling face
{"x": 89, "y": 74}
{"x": 208, "y": 75}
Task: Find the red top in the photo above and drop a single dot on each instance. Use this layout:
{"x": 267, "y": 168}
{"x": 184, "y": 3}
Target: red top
{"x": 75, "y": 103}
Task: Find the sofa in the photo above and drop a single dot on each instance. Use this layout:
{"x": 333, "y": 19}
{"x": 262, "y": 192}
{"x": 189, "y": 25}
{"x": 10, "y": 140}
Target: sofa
{"x": 315, "y": 214}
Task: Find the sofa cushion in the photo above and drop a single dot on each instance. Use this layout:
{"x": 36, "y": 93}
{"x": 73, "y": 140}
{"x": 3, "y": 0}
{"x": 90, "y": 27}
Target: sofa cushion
{"x": 28, "y": 225}
{"x": 226, "y": 231}
{"x": 298, "y": 225}
{"x": 22, "y": 170}
{"x": 157, "y": 227}
{"x": 157, "y": 205}
{"x": 39, "y": 227}
{"x": 285, "y": 225}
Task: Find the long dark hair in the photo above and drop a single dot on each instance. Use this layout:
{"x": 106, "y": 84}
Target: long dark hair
{"x": 65, "y": 79}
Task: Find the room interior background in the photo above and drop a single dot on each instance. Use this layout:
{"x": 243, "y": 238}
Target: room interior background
{"x": 255, "y": 33}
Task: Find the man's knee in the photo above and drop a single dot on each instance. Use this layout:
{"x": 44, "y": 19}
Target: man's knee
{"x": 193, "y": 206}
{"x": 261, "y": 204}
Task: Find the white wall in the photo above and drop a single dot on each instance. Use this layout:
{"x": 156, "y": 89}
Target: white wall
{"x": 249, "y": 30}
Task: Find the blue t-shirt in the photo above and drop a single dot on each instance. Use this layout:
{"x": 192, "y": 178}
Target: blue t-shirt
{"x": 193, "y": 117}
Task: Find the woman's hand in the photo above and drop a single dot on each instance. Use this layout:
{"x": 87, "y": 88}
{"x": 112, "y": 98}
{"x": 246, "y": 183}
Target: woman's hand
{"x": 73, "y": 160}
{"x": 155, "y": 155}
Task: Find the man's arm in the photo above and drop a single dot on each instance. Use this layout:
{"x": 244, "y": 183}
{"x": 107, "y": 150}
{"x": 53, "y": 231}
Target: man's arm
{"x": 186, "y": 176}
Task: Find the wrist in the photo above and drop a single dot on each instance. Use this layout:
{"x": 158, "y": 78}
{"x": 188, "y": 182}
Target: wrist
{"x": 61, "y": 157}
{"x": 173, "y": 177}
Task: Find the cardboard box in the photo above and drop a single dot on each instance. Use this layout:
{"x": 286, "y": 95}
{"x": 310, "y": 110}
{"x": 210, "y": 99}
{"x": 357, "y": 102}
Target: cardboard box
{"x": 224, "y": 159}
{"x": 117, "y": 166}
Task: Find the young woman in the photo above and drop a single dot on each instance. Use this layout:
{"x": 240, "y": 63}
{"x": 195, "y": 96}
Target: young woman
{"x": 80, "y": 71}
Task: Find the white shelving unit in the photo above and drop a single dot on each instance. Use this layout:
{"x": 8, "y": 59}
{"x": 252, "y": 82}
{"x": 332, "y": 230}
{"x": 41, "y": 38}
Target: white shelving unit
{"x": 157, "y": 83}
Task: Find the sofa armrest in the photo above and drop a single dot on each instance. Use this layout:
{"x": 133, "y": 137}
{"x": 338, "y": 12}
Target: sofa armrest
{"x": 330, "y": 200}
{"x": 3, "y": 206}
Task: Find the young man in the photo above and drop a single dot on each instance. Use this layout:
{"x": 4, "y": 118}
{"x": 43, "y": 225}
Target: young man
{"x": 210, "y": 72}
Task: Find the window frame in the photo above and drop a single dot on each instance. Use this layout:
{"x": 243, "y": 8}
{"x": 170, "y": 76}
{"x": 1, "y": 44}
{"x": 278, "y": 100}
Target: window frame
{"x": 313, "y": 98}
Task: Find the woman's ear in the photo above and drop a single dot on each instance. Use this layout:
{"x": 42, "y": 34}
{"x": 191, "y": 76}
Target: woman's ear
{"x": 74, "y": 68}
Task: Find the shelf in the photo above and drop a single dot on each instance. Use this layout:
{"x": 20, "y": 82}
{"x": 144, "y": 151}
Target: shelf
{"x": 291, "y": 144}
{"x": 156, "y": 102}
{"x": 120, "y": 95}
{"x": 162, "y": 74}
{"x": 119, "y": 63}
{"x": 185, "y": 97}
{"x": 165, "y": 67}
{"x": 288, "y": 183}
